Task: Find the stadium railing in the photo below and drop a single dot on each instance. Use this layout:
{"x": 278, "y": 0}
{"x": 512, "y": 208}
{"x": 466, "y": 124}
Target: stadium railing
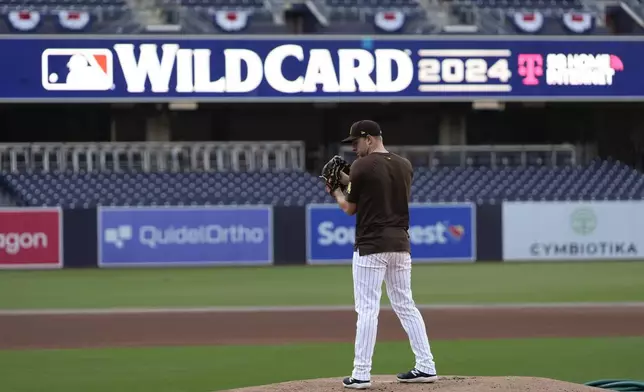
{"x": 154, "y": 156}
{"x": 481, "y": 155}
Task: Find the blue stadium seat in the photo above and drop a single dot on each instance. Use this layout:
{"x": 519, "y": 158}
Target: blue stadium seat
{"x": 599, "y": 180}
{"x": 344, "y": 16}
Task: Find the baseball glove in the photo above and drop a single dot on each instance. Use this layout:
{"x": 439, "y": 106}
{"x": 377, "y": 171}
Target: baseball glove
{"x": 331, "y": 173}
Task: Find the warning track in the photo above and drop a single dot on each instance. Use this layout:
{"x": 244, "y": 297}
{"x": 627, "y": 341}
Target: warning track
{"x": 37, "y": 329}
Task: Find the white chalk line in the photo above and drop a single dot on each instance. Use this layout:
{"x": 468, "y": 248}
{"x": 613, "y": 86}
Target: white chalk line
{"x": 312, "y": 308}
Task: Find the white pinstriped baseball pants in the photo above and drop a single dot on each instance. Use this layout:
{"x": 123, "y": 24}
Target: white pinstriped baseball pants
{"x": 368, "y": 274}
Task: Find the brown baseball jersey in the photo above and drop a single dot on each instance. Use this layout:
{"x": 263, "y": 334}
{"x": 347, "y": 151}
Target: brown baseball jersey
{"x": 380, "y": 186}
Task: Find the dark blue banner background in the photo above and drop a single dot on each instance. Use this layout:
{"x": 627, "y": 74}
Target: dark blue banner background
{"x": 430, "y": 68}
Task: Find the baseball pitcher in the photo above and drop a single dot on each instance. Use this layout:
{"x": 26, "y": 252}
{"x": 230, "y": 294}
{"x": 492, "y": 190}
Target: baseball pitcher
{"x": 376, "y": 188}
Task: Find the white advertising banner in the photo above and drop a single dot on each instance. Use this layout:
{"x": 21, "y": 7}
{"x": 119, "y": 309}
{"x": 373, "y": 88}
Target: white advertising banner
{"x": 602, "y": 230}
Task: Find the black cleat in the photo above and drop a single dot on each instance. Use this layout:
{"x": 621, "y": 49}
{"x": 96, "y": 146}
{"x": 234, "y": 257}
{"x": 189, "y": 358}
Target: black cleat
{"x": 352, "y": 383}
{"x": 415, "y": 375}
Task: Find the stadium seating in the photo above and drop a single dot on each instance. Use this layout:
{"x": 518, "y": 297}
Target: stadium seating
{"x": 135, "y": 180}
{"x": 267, "y": 16}
{"x": 224, "y": 16}
{"x": 549, "y": 17}
{"x": 68, "y": 17}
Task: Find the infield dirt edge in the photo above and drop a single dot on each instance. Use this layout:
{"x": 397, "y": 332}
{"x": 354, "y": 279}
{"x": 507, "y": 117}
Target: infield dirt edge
{"x": 388, "y": 383}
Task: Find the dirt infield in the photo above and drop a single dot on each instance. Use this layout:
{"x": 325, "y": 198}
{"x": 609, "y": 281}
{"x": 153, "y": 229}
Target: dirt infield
{"x": 444, "y": 384}
{"x": 33, "y": 331}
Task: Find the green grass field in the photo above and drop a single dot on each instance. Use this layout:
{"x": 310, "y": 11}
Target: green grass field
{"x": 318, "y": 285}
{"x": 202, "y": 369}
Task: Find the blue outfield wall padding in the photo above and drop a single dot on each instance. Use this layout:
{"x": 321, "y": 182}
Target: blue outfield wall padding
{"x": 80, "y": 239}
{"x": 489, "y": 244}
{"x": 290, "y": 235}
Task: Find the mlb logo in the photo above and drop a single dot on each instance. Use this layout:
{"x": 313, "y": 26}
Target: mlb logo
{"x": 77, "y": 70}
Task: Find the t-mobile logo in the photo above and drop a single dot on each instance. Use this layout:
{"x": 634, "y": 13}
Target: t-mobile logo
{"x": 530, "y": 67}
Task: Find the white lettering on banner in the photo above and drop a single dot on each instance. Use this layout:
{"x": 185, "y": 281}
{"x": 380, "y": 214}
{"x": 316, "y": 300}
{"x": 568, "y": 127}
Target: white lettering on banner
{"x": 418, "y": 235}
{"x": 579, "y": 69}
{"x": 435, "y": 234}
{"x": 573, "y": 230}
{"x": 212, "y": 234}
{"x": 193, "y": 70}
{"x": 454, "y": 70}
{"x": 12, "y": 243}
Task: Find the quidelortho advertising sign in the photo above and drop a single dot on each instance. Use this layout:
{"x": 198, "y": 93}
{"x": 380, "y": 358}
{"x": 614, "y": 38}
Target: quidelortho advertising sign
{"x": 163, "y": 236}
{"x": 438, "y": 233}
{"x": 602, "y": 230}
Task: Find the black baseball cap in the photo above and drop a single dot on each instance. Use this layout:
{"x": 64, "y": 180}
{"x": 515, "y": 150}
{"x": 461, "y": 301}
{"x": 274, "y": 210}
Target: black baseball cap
{"x": 363, "y": 128}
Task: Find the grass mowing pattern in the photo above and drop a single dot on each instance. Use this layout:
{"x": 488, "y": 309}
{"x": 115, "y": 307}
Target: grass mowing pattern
{"x": 318, "y": 285}
{"x": 202, "y": 369}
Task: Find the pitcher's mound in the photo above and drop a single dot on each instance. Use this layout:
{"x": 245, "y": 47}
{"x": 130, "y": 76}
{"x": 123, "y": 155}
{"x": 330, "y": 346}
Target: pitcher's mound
{"x": 444, "y": 384}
